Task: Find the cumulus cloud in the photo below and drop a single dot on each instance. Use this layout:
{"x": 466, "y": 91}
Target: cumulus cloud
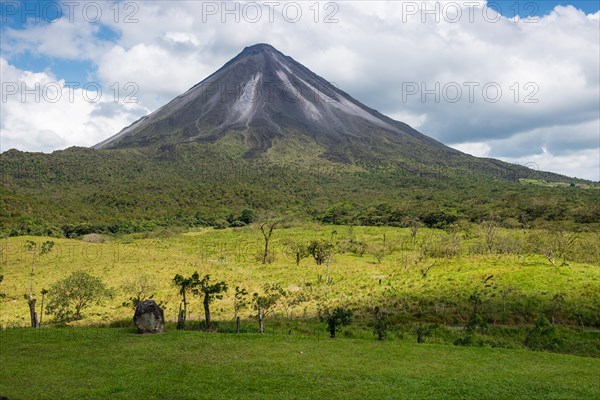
{"x": 43, "y": 113}
{"x": 524, "y": 85}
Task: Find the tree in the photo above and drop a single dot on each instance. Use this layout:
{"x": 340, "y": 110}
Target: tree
{"x": 414, "y": 226}
{"x": 142, "y": 288}
{"x": 71, "y": 295}
{"x": 210, "y": 291}
{"x": 490, "y": 232}
{"x": 555, "y": 245}
{"x": 239, "y": 302}
{"x": 293, "y": 299}
{"x": 263, "y": 304}
{"x": 247, "y": 216}
{"x": 542, "y": 336}
{"x": 321, "y": 250}
{"x": 336, "y": 319}
{"x": 44, "y": 292}
{"x": 31, "y": 247}
{"x": 380, "y": 323}
{"x": 357, "y": 247}
{"x": 184, "y": 285}
{"x": 378, "y": 252}
{"x": 424, "y": 331}
{"x": 298, "y": 250}
{"x": 267, "y": 230}
{"x": 422, "y": 259}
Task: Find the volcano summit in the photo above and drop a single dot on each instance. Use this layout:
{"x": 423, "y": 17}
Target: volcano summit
{"x": 262, "y": 96}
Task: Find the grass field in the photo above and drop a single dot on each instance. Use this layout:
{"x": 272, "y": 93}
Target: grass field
{"x": 295, "y": 359}
{"x": 360, "y": 282}
{"x": 81, "y": 363}
{"x": 513, "y": 286}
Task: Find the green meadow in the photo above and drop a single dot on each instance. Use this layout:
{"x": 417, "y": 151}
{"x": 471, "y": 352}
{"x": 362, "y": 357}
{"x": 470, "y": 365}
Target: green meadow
{"x": 428, "y": 280}
{"x": 84, "y": 363}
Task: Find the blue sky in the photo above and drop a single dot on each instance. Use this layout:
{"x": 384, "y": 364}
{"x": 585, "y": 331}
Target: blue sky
{"x": 527, "y": 7}
{"x": 170, "y": 47}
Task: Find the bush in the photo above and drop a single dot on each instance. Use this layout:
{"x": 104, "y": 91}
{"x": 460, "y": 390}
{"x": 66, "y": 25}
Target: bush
{"x": 542, "y": 336}
{"x": 336, "y": 319}
{"x": 68, "y": 298}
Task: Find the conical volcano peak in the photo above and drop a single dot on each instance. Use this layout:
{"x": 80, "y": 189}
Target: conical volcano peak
{"x": 261, "y": 97}
{"x": 259, "y": 48}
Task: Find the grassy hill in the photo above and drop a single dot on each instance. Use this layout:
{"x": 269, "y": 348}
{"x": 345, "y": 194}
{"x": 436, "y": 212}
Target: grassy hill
{"x": 511, "y": 284}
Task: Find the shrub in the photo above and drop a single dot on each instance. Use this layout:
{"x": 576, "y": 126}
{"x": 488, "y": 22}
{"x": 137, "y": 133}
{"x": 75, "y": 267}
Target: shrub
{"x": 68, "y": 298}
{"x": 542, "y": 336}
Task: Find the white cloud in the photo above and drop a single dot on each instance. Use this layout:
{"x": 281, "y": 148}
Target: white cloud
{"x": 373, "y": 52}
{"x": 474, "y": 149}
{"x": 583, "y": 164}
{"x": 41, "y": 113}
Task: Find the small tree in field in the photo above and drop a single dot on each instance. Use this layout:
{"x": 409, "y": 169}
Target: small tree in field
{"x": 210, "y": 292}
{"x": 554, "y": 245}
{"x": 380, "y": 323}
{"x": 414, "y": 225}
{"x": 32, "y": 247}
{"x": 141, "y": 288}
{"x": 336, "y": 319}
{"x": 185, "y": 285}
{"x": 423, "y": 331}
{"x": 298, "y": 250}
{"x": 239, "y": 302}
{"x": 263, "y": 304}
{"x": 68, "y": 298}
{"x": 321, "y": 250}
{"x": 266, "y": 229}
{"x": 44, "y": 292}
{"x": 490, "y": 233}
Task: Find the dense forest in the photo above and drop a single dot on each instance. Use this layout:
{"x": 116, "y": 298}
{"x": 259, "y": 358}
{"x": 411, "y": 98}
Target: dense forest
{"x": 79, "y": 191}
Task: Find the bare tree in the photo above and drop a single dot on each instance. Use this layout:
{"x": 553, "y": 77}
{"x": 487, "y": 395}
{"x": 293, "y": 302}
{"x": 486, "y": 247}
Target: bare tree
{"x": 490, "y": 233}
{"x": 267, "y": 230}
{"x": 422, "y": 260}
{"x": 414, "y": 226}
{"x": 555, "y": 246}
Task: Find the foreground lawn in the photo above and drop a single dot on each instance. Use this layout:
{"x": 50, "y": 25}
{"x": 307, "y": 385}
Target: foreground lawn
{"x": 79, "y": 363}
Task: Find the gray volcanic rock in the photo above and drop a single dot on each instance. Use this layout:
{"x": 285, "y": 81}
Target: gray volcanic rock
{"x": 149, "y": 317}
{"x": 264, "y": 95}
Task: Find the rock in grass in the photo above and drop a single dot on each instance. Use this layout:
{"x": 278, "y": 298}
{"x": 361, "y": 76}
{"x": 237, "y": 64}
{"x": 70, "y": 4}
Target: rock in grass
{"x": 149, "y": 317}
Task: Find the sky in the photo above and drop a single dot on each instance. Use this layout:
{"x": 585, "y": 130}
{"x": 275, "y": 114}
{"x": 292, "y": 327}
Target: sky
{"x": 514, "y": 80}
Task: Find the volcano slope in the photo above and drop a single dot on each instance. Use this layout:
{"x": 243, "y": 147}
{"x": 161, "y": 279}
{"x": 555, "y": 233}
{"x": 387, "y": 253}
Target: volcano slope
{"x": 264, "y": 133}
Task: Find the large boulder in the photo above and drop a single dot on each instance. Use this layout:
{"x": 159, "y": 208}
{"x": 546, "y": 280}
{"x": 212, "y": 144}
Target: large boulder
{"x": 149, "y": 317}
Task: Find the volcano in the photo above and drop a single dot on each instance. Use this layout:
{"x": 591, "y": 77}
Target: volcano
{"x": 262, "y": 96}
{"x": 265, "y": 133}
